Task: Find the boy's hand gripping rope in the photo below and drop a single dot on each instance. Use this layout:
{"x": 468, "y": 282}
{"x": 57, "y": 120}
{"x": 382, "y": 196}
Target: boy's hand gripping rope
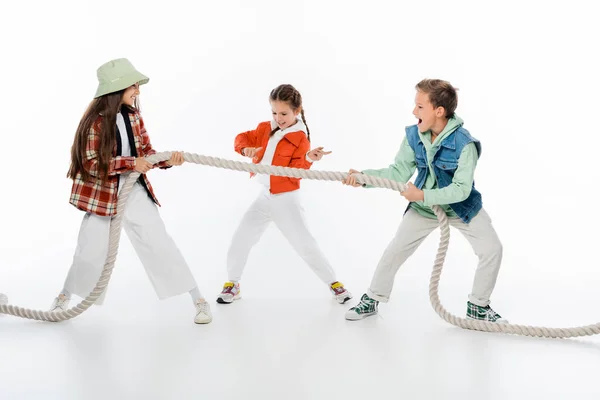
{"x": 115, "y": 234}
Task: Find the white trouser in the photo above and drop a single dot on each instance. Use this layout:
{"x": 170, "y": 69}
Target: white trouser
{"x": 166, "y": 268}
{"x": 287, "y": 213}
{"x": 415, "y": 228}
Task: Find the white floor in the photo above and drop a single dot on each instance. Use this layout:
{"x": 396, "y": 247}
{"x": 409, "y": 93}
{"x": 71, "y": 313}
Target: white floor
{"x": 285, "y": 348}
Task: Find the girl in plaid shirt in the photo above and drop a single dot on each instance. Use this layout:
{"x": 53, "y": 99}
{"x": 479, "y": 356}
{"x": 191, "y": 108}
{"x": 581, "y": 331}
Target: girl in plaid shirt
{"x": 110, "y": 143}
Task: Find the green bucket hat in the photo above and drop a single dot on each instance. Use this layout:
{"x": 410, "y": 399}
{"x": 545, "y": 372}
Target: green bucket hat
{"x": 117, "y": 75}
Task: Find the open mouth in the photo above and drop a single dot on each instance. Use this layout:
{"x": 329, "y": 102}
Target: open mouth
{"x": 420, "y": 120}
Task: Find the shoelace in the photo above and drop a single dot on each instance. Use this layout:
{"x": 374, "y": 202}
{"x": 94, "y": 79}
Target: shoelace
{"x": 228, "y": 289}
{"x": 339, "y": 290}
{"x": 202, "y": 307}
{"x": 362, "y": 306}
{"x": 493, "y": 315}
{"x": 60, "y": 303}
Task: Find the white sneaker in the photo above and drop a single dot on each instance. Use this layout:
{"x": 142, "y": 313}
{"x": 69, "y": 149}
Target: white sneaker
{"x": 340, "y": 293}
{"x": 479, "y": 313}
{"x": 203, "y": 314}
{"x": 61, "y": 303}
{"x": 364, "y": 309}
{"x": 231, "y": 292}
{"x": 3, "y": 299}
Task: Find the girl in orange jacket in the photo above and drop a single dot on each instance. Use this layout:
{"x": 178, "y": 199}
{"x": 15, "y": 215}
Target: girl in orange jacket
{"x": 285, "y": 142}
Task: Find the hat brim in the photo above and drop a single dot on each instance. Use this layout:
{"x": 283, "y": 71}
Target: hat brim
{"x": 121, "y": 83}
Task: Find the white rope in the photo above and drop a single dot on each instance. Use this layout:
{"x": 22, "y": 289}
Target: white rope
{"x": 113, "y": 247}
{"x": 115, "y": 233}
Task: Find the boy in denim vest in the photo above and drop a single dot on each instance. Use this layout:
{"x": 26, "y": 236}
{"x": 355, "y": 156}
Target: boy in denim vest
{"x": 445, "y": 156}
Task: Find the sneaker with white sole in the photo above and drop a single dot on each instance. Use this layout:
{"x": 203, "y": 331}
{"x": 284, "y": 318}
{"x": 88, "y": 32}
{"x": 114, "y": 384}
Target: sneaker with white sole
{"x": 203, "y": 314}
{"x": 365, "y": 308}
{"x": 339, "y": 292}
{"x": 61, "y": 303}
{"x": 3, "y": 299}
{"x": 230, "y": 293}
{"x": 486, "y": 314}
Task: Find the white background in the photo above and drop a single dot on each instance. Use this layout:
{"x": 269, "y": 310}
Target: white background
{"x": 528, "y": 89}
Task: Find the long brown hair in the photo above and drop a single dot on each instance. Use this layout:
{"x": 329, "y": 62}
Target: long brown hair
{"x": 289, "y": 94}
{"x": 106, "y": 106}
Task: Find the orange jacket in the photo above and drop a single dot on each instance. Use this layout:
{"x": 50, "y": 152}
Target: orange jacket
{"x": 290, "y": 152}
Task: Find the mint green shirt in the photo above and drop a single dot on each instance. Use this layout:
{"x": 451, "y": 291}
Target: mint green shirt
{"x": 404, "y": 167}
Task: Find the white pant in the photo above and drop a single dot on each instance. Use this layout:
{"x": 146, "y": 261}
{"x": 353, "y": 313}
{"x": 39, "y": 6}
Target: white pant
{"x": 412, "y": 232}
{"x": 288, "y": 214}
{"x": 167, "y": 270}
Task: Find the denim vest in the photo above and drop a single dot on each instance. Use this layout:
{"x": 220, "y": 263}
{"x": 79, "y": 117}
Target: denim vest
{"x": 445, "y": 162}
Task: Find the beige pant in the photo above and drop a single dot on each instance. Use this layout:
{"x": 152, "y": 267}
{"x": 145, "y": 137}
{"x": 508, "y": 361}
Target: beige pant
{"x": 411, "y": 233}
{"x": 167, "y": 270}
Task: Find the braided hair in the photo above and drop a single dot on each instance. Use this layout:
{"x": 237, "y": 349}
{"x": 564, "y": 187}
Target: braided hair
{"x": 288, "y": 94}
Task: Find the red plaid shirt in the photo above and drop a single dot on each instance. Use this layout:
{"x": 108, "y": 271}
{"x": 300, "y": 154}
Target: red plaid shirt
{"x": 99, "y": 197}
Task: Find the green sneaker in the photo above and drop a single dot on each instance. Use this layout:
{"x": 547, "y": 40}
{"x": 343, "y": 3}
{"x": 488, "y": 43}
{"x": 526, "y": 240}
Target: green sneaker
{"x": 483, "y": 314}
{"x": 365, "y": 308}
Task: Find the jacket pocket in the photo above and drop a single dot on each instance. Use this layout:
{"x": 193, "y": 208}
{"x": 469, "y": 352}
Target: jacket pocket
{"x": 281, "y": 160}
{"x": 420, "y": 161}
{"x": 446, "y": 165}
